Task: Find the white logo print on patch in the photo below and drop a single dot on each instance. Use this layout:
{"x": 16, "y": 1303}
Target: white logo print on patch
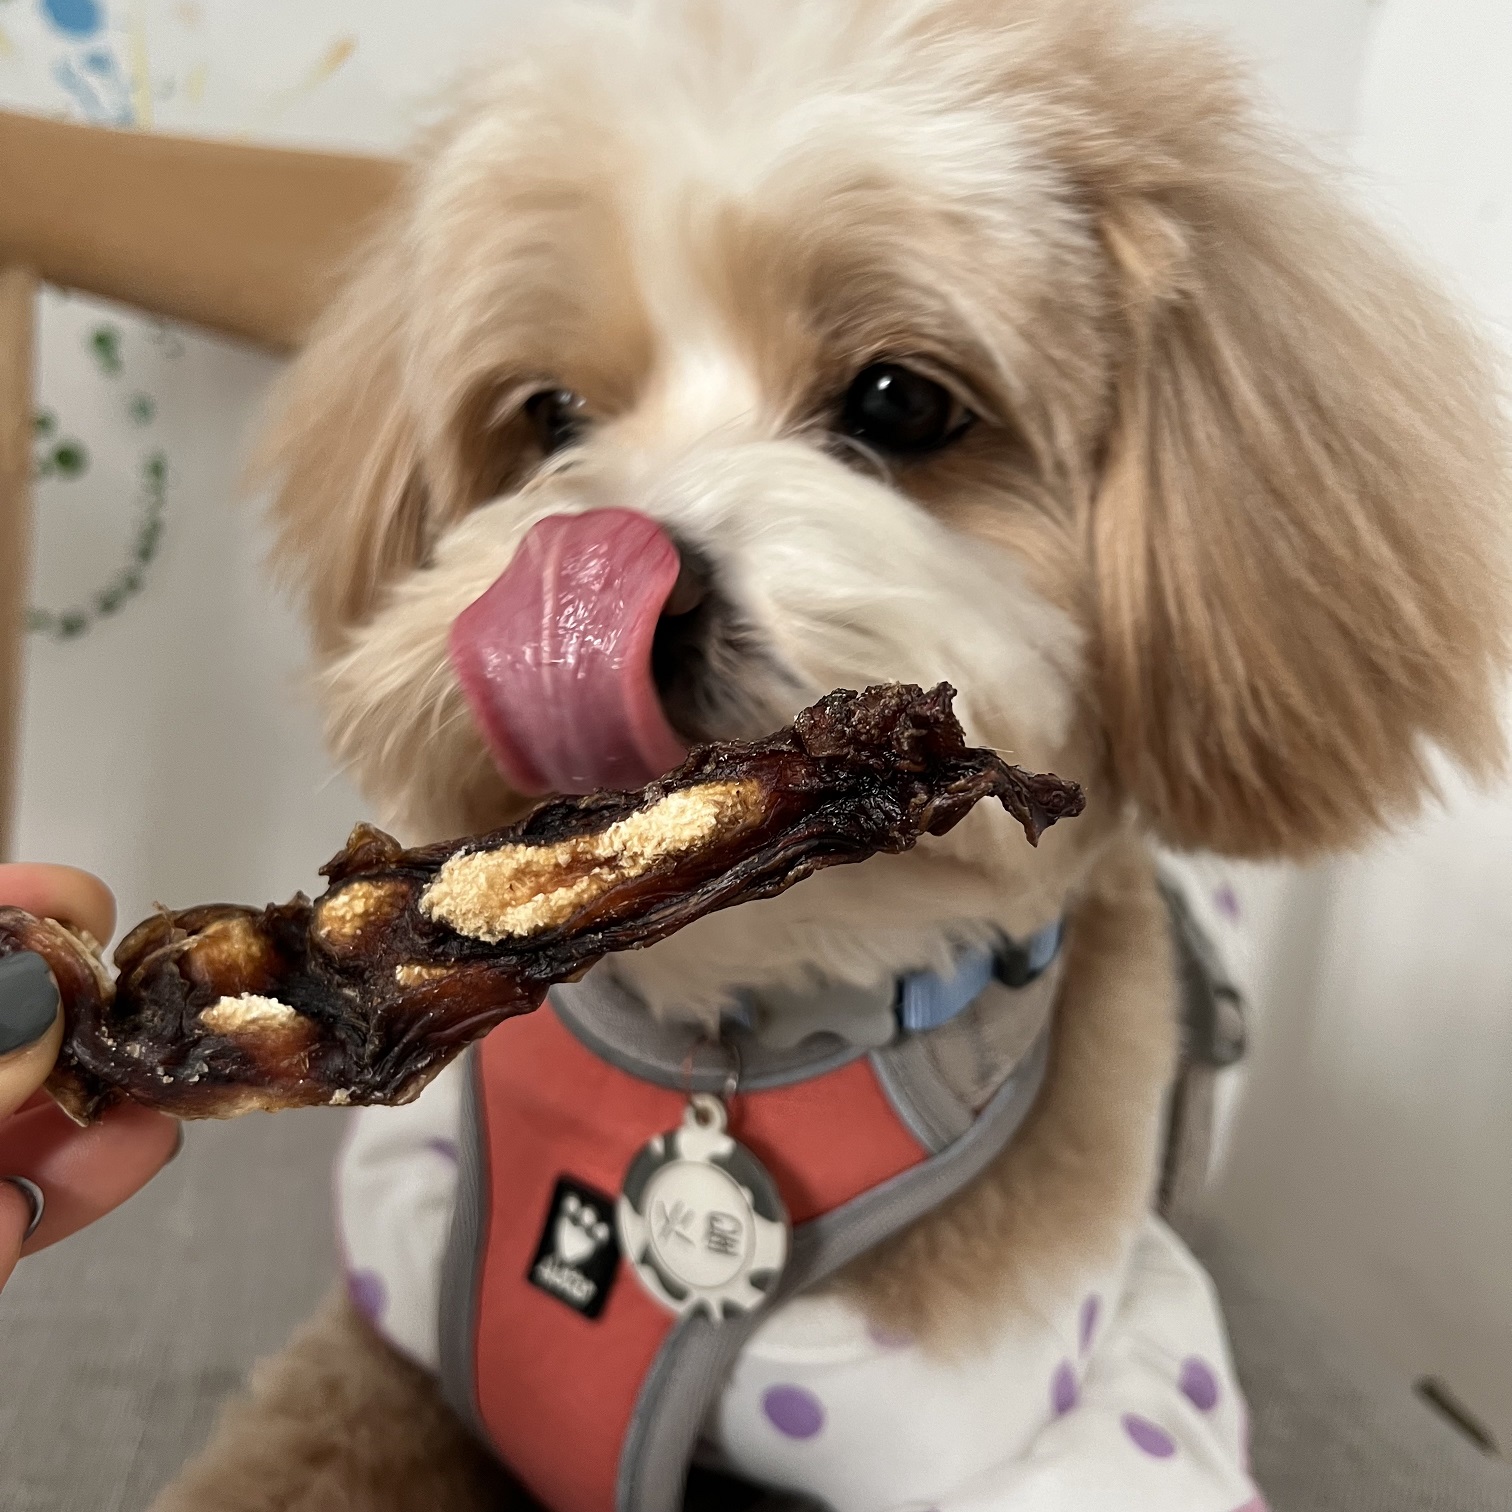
{"x": 577, "y": 1255}
{"x": 579, "y": 1230}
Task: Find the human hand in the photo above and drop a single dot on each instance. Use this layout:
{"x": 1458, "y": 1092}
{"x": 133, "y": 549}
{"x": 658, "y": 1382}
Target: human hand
{"x": 75, "y": 1174}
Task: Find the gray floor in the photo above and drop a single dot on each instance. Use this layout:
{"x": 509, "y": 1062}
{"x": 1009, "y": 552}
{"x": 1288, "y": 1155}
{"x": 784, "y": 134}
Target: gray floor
{"x": 117, "y": 1346}
{"x": 1329, "y": 1432}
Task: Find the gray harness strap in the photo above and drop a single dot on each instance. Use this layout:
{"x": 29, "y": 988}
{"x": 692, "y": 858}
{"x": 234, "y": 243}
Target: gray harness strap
{"x": 462, "y": 1264}
{"x": 1212, "y": 1037}
{"x": 696, "y": 1360}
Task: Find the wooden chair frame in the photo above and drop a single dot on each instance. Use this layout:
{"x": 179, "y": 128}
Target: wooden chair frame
{"x": 238, "y": 239}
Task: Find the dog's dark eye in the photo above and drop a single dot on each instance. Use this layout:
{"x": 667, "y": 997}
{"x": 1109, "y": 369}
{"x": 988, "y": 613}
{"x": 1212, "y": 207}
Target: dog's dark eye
{"x": 559, "y": 417}
{"x": 895, "y": 409}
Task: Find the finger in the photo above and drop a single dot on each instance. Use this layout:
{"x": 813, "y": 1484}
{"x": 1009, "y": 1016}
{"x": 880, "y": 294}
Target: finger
{"x": 84, "y": 1173}
{"x": 31, "y": 1027}
{"x": 15, "y": 1219}
{"x": 60, "y": 892}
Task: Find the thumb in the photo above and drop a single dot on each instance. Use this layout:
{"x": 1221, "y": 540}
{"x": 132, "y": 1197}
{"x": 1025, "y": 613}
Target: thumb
{"x": 31, "y": 1027}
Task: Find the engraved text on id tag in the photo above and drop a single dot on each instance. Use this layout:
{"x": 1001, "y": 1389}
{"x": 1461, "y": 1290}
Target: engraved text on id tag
{"x": 700, "y": 1219}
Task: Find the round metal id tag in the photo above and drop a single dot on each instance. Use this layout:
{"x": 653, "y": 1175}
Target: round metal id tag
{"x": 700, "y": 1219}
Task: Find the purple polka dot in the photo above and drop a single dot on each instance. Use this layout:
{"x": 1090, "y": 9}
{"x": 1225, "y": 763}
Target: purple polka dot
{"x": 792, "y": 1411}
{"x": 1228, "y": 903}
{"x": 1064, "y": 1392}
{"x": 1198, "y": 1384}
{"x": 368, "y": 1293}
{"x": 445, "y": 1148}
{"x": 1089, "y": 1311}
{"x": 1148, "y": 1436}
{"x": 887, "y": 1338}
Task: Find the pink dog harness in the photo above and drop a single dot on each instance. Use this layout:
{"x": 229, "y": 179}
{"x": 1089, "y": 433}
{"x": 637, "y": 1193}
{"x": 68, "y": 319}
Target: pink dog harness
{"x": 588, "y": 1387}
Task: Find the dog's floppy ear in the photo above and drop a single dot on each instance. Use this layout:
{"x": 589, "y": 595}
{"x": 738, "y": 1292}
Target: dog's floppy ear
{"x": 1298, "y": 536}
{"x": 342, "y": 454}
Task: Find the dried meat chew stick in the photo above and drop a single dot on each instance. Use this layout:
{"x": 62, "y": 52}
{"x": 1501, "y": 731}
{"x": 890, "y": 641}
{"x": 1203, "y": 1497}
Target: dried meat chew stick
{"x": 365, "y": 994}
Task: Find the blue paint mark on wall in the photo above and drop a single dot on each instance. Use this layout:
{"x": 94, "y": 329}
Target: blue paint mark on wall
{"x": 98, "y": 87}
{"x": 88, "y": 70}
{"x": 76, "y": 18}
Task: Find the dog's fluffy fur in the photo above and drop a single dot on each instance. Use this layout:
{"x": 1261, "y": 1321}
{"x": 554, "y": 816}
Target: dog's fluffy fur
{"x": 1223, "y": 543}
{"x": 339, "y": 1423}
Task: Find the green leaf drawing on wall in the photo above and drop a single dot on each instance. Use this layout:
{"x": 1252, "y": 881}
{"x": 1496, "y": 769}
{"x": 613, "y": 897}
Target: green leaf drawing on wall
{"x": 62, "y": 457}
{"x": 105, "y": 347}
{"x": 131, "y": 577}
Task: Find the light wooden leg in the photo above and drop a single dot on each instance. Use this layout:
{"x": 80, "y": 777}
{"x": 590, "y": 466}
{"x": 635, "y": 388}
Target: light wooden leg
{"x": 242, "y": 239}
{"x": 18, "y": 299}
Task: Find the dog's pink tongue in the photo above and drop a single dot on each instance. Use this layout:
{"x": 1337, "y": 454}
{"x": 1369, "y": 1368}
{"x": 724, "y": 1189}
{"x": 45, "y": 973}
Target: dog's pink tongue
{"x": 555, "y": 658}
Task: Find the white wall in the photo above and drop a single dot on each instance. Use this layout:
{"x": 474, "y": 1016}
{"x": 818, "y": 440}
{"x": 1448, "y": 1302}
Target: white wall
{"x": 1372, "y": 1156}
{"x": 170, "y": 746}
{"x": 1306, "y": 53}
{"x": 171, "y": 749}
{"x": 1368, "y": 1153}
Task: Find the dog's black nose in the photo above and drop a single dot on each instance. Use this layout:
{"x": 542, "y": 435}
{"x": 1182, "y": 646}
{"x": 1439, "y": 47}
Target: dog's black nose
{"x": 691, "y": 587}
{"x": 686, "y": 656}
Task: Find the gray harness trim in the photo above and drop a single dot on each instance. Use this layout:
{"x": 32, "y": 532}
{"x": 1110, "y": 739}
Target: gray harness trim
{"x": 613, "y": 1023}
{"x": 939, "y": 1080}
{"x": 936, "y": 1080}
{"x": 697, "y": 1357}
{"x": 462, "y": 1265}
{"x": 920, "y": 1096}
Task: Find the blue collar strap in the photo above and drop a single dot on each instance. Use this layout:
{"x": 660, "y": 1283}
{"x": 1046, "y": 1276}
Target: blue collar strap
{"x": 928, "y": 999}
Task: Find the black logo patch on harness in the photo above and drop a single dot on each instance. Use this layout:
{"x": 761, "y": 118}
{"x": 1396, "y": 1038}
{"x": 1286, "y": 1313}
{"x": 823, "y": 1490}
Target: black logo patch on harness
{"x": 578, "y": 1253}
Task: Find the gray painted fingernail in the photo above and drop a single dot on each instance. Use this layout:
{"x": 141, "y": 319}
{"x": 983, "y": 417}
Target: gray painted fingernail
{"x": 28, "y": 1000}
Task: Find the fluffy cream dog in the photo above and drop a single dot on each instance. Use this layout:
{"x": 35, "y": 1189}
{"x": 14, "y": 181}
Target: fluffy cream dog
{"x": 985, "y": 340}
